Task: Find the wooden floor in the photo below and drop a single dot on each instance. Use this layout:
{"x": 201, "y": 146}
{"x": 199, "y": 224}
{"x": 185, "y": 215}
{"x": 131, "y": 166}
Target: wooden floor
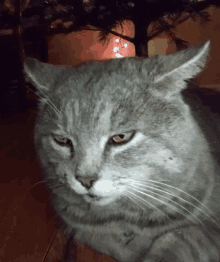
{"x": 28, "y": 231}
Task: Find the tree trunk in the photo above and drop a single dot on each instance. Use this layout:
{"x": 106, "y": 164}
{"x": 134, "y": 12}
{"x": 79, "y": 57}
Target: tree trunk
{"x": 140, "y": 39}
{"x": 18, "y": 36}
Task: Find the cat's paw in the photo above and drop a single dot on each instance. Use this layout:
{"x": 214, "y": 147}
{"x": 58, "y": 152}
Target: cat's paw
{"x": 184, "y": 245}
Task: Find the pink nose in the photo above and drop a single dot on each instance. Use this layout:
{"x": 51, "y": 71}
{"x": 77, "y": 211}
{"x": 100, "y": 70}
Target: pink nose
{"x": 87, "y": 182}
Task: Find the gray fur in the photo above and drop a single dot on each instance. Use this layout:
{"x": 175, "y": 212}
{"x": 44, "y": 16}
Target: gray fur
{"x": 157, "y": 188}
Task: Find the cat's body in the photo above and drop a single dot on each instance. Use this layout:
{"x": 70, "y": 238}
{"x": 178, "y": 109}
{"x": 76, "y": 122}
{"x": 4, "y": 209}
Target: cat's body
{"x": 131, "y": 159}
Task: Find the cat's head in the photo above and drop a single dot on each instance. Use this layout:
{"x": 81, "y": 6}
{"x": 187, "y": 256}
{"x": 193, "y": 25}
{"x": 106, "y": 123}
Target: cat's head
{"x": 111, "y": 131}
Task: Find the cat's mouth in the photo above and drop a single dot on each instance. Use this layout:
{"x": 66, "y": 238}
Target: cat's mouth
{"x": 97, "y": 200}
{"x": 94, "y": 197}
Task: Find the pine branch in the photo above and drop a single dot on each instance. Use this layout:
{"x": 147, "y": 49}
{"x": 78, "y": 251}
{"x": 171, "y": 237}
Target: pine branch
{"x": 65, "y": 16}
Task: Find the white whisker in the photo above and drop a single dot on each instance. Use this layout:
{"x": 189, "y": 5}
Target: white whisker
{"x": 168, "y": 204}
{"x": 48, "y": 101}
{"x": 44, "y": 181}
{"x": 127, "y": 195}
{"x": 163, "y": 184}
{"x": 161, "y": 201}
{"x": 180, "y": 198}
{"x": 143, "y": 200}
{"x": 53, "y": 106}
{"x": 58, "y": 185}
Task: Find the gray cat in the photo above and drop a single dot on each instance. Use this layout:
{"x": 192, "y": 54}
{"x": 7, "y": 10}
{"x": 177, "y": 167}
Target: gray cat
{"x": 132, "y": 156}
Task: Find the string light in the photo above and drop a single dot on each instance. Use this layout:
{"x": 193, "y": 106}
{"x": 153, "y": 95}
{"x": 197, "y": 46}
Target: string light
{"x": 119, "y": 48}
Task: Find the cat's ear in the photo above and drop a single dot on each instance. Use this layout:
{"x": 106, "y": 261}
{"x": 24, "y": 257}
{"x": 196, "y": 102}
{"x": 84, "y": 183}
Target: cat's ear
{"x": 183, "y": 65}
{"x": 42, "y": 75}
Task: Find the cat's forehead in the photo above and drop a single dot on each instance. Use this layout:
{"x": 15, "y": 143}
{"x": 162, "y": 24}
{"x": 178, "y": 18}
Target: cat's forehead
{"x": 100, "y": 116}
{"x": 102, "y": 95}
{"x": 115, "y": 79}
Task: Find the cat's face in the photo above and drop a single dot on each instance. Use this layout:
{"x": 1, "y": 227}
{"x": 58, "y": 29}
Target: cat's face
{"x": 109, "y": 132}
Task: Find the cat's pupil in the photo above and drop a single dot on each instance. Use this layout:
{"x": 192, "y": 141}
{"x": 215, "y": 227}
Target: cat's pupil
{"x": 121, "y": 138}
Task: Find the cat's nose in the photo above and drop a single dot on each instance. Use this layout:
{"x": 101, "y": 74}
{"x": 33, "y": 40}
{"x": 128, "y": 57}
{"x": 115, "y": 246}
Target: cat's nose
{"x": 87, "y": 182}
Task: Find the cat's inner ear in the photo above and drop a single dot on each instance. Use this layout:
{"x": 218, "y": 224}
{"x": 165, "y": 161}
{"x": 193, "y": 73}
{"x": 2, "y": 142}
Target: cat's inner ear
{"x": 42, "y": 75}
{"x": 185, "y": 64}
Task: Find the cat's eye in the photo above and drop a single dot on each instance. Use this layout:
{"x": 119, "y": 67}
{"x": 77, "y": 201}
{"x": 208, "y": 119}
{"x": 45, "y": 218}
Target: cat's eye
{"x": 122, "y": 138}
{"x": 62, "y": 140}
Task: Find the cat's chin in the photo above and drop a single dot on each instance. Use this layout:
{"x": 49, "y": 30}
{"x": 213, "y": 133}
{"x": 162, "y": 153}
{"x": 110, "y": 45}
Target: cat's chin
{"x": 98, "y": 201}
